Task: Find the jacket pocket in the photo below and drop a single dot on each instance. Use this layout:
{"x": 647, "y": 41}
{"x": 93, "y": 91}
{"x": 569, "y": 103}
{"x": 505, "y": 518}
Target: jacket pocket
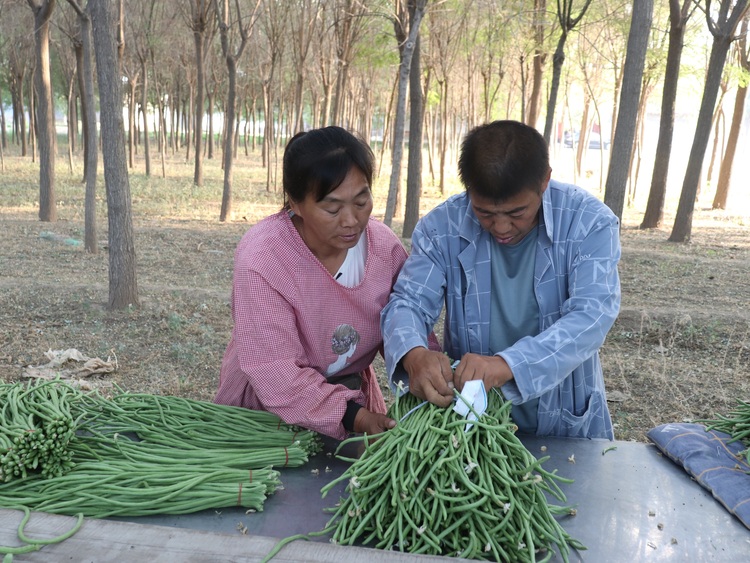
{"x": 590, "y": 424}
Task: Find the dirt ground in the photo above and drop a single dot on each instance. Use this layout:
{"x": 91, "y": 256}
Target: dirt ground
{"x": 680, "y": 349}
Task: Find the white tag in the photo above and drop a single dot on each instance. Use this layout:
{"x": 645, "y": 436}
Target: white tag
{"x": 474, "y": 395}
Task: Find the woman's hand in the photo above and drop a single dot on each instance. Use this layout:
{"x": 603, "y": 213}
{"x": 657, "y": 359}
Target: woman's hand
{"x": 372, "y": 423}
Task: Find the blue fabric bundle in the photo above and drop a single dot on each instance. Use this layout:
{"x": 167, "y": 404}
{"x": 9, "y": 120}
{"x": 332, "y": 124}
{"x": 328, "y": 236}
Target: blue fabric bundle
{"x": 707, "y": 456}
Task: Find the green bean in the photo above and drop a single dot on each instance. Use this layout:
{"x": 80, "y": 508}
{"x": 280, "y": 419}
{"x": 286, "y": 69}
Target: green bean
{"x": 34, "y": 544}
{"x": 36, "y": 541}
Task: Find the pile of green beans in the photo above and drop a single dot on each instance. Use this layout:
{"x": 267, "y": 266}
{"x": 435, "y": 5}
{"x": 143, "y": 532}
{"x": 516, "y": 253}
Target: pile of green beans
{"x": 428, "y": 486}
{"x": 736, "y": 423}
{"x": 36, "y": 426}
{"x": 137, "y": 454}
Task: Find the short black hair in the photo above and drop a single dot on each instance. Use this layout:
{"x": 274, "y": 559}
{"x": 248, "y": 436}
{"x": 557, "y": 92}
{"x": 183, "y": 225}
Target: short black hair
{"x": 317, "y": 161}
{"x": 501, "y": 159}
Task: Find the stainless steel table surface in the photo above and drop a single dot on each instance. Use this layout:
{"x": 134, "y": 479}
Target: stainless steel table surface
{"x": 632, "y": 504}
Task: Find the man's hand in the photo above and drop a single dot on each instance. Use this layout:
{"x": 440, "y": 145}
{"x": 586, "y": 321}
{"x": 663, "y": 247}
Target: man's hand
{"x": 371, "y": 422}
{"x": 493, "y": 370}
{"x": 430, "y": 375}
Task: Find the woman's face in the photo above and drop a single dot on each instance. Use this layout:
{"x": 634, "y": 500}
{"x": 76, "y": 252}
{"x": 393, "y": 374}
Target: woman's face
{"x": 334, "y": 224}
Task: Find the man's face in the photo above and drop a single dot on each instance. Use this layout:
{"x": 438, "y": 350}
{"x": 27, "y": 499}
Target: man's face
{"x": 511, "y": 220}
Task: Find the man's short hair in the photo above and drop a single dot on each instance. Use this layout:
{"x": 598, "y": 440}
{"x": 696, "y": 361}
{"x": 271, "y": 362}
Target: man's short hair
{"x": 501, "y": 159}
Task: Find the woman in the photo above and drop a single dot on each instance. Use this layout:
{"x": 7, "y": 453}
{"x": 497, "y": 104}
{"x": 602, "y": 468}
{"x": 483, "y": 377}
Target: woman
{"x": 309, "y": 284}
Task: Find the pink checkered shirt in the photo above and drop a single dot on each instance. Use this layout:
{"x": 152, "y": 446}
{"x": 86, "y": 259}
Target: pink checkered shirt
{"x": 288, "y": 313}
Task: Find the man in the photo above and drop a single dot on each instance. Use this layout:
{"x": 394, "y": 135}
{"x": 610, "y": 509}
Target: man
{"x": 527, "y": 270}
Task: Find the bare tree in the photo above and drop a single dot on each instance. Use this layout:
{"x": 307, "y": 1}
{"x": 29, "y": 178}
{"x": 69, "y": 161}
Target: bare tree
{"x": 304, "y": 23}
{"x": 274, "y": 20}
{"x": 622, "y": 144}
{"x": 91, "y": 149}
{"x": 131, "y": 71}
{"x": 492, "y": 62}
{"x": 678, "y": 19}
{"x": 539, "y": 59}
{"x": 69, "y": 63}
{"x": 123, "y": 286}
{"x": 567, "y": 24}
{"x": 231, "y": 57}
{"x": 349, "y": 24}
{"x": 444, "y": 28}
{"x": 416, "y": 122}
{"x": 200, "y": 21}
{"x": 144, "y": 29}
{"x": 45, "y": 111}
{"x": 725, "y": 171}
{"x": 722, "y": 24}
{"x": 406, "y": 51}
{"x": 17, "y": 69}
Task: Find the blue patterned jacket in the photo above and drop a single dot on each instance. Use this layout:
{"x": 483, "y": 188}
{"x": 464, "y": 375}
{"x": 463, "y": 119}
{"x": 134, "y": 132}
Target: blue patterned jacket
{"x": 577, "y": 288}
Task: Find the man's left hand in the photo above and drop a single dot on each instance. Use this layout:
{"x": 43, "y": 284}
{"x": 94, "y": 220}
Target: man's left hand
{"x": 493, "y": 370}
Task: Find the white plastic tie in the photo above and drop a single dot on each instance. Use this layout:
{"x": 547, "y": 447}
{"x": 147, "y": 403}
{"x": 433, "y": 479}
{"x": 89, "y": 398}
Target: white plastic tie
{"x": 471, "y": 402}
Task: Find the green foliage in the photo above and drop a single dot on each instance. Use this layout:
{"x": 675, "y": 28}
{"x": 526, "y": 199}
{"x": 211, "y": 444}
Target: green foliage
{"x": 175, "y": 322}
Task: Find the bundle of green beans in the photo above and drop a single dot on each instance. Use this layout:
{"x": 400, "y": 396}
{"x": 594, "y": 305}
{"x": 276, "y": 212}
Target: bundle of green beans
{"x": 136, "y": 454}
{"x": 36, "y": 426}
{"x": 120, "y": 488}
{"x": 428, "y": 486}
{"x": 188, "y": 423}
{"x": 118, "y": 447}
{"x": 736, "y": 423}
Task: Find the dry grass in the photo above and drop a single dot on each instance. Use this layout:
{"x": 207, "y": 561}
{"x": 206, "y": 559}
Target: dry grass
{"x": 679, "y": 350}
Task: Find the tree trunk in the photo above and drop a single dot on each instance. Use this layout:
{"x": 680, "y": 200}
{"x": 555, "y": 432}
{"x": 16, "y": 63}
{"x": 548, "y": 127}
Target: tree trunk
{"x": 725, "y": 171}
{"x": 71, "y": 116}
{"x": 32, "y": 122}
{"x": 3, "y": 135}
{"x": 398, "y": 129}
{"x": 622, "y": 144}
{"x": 567, "y": 23}
{"x": 45, "y": 113}
{"x": 88, "y": 115}
{"x": 81, "y": 86}
{"x": 719, "y": 132}
{"x": 582, "y": 144}
{"x": 210, "y": 137}
{"x": 144, "y": 113}
{"x": 416, "y": 122}
{"x": 557, "y": 63}
{"x": 443, "y": 134}
{"x": 131, "y": 122}
{"x": 16, "y": 85}
{"x": 657, "y": 194}
{"x": 199, "y": 108}
{"x": 538, "y": 61}
{"x": 231, "y": 104}
{"x": 723, "y": 36}
{"x": 123, "y": 287}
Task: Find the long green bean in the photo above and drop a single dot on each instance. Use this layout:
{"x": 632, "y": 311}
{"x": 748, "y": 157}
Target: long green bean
{"x": 34, "y": 544}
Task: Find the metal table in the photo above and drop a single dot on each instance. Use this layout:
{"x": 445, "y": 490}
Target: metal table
{"x": 632, "y": 504}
